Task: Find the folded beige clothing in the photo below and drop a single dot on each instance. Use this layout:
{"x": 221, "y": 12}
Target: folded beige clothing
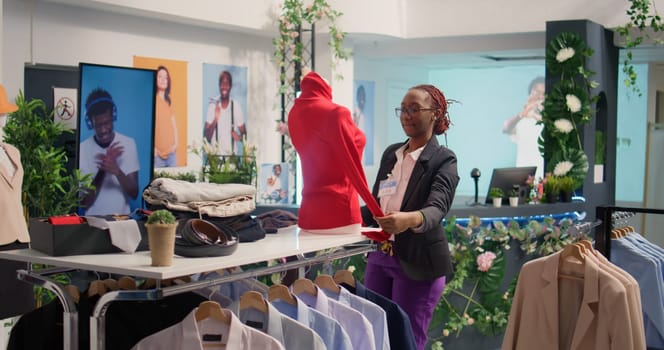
{"x": 178, "y": 191}
{"x": 229, "y": 207}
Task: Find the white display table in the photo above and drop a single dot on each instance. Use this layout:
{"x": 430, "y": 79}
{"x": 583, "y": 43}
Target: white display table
{"x": 287, "y": 242}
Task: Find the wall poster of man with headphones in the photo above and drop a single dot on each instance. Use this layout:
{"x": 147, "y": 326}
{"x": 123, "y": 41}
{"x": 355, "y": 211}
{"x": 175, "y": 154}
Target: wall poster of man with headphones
{"x": 116, "y": 127}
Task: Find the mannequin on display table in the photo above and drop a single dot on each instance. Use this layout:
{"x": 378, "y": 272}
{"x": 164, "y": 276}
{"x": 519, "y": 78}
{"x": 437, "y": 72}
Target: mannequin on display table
{"x": 16, "y": 295}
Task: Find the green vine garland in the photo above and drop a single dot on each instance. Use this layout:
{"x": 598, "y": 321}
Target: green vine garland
{"x": 289, "y": 49}
{"x": 641, "y": 17}
{"x": 487, "y": 304}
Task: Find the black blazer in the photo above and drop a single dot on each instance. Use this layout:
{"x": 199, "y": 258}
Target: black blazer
{"x": 425, "y": 255}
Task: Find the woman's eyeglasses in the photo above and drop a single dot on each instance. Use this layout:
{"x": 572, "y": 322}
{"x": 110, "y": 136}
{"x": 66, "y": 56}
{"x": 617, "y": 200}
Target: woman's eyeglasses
{"x": 411, "y": 111}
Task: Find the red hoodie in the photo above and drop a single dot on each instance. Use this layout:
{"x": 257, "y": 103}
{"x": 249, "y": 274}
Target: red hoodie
{"x": 330, "y": 148}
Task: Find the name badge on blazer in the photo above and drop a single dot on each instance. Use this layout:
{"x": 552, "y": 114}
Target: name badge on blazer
{"x": 387, "y": 188}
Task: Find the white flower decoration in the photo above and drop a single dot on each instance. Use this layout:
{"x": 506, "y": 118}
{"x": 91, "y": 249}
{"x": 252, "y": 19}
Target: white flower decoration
{"x": 562, "y": 168}
{"x": 573, "y": 103}
{"x": 564, "y": 54}
{"x": 563, "y": 125}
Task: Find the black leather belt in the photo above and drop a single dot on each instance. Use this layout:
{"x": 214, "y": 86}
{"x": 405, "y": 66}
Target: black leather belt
{"x": 201, "y": 238}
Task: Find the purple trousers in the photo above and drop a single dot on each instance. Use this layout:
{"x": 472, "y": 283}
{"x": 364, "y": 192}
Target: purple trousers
{"x": 417, "y": 298}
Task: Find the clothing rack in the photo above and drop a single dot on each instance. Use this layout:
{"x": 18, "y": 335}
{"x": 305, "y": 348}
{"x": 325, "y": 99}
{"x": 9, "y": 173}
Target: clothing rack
{"x": 609, "y": 215}
{"x": 287, "y": 243}
{"x": 583, "y": 227}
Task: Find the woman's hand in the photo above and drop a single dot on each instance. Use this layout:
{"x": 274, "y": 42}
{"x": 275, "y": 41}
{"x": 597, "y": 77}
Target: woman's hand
{"x": 398, "y": 222}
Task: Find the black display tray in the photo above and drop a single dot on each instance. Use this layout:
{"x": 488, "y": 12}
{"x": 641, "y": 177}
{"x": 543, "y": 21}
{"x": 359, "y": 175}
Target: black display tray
{"x": 81, "y": 239}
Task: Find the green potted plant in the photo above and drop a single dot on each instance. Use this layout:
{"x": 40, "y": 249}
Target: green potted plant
{"x": 552, "y": 189}
{"x": 513, "y": 196}
{"x": 218, "y": 168}
{"x": 566, "y": 187}
{"x": 496, "y": 194}
{"x": 48, "y": 188}
{"x": 161, "y": 226}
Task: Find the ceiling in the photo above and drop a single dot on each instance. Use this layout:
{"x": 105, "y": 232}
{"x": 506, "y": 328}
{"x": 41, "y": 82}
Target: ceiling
{"x": 470, "y": 52}
{"x": 437, "y": 52}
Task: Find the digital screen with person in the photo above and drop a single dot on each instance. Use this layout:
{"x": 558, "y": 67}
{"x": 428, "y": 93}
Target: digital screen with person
{"x": 224, "y": 118}
{"x": 115, "y": 139}
{"x": 524, "y": 130}
{"x": 363, "y": 116}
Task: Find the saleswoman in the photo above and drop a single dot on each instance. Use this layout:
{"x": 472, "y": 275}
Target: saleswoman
{"x": 415, "y": 186}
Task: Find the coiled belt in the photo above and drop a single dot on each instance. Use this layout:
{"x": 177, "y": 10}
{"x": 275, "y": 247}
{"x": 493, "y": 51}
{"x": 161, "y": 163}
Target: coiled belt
{"x": 201, "y": 238}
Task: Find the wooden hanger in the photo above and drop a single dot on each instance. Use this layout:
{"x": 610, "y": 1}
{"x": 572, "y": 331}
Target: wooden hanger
{"x": 111, "y": 284}
{"x": 582, "y": 249}
{"x": 149, "y": 283}
{"x": 303, "y": 285}
{"x": 127, "y": 283}
{"x": 73, "y": 292}
{"x": 573, "y": 251}
{"x": 344, "y": 276}
{"x": 96, "y": 287}
{"x": 589, "y": 249}
{"x": 327, "y": 282}
{"x": 253, "y": 300}
{"x": 570, "y": 253}
{"x": 616, "y": 234}
{"x": 280, "y": 292}
{"x": 211, "y": 309}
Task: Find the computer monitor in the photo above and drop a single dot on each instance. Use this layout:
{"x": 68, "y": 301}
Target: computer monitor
{"x": 506, "y": 178}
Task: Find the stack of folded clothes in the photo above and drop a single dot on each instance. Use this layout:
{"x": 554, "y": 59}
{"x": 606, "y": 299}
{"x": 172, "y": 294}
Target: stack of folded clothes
{"x": 273, "y": 220}
{"x": 218, "y": 200}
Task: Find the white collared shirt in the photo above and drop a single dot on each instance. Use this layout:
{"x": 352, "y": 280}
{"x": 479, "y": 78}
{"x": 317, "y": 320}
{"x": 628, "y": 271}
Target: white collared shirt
{"x": 189, "y": 334}
{"x": 401, "y": 172}
{"x": 331, "y": 331}
{"x": 289, "y": 332}
{"x": 354, "y": 323}
{"x": 374, "y": 313}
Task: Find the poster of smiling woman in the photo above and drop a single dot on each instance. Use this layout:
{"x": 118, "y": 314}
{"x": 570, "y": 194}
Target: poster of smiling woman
{"x": 170, "y": 110}
{"x": 224, "y": 107}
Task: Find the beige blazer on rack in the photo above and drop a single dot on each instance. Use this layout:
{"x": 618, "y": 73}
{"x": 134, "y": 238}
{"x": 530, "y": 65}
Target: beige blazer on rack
{"x": 535, "y": 320}
{"x": 13, "y": 222}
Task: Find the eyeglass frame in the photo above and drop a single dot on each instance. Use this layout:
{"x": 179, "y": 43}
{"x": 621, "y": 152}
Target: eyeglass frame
{"x": 410, "y": 111}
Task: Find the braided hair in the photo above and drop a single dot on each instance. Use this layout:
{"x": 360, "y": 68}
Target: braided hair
{"x": 442, "y": 123}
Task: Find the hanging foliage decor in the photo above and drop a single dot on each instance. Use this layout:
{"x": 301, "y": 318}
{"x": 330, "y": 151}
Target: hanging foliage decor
{"x": 567, "y": 107}
{"x": 288, "y": 46}
{"x": 644, "y": 23}
{"x": 291, "y": 54}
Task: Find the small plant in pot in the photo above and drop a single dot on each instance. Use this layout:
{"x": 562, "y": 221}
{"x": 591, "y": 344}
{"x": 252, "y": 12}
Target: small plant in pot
{"x": 496, "y": 194}
{"x": 552, "y": 189}
{"x": 161, "y": 226}
{"x": 566, "y": 186}
{"x": 513, "y": 196}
